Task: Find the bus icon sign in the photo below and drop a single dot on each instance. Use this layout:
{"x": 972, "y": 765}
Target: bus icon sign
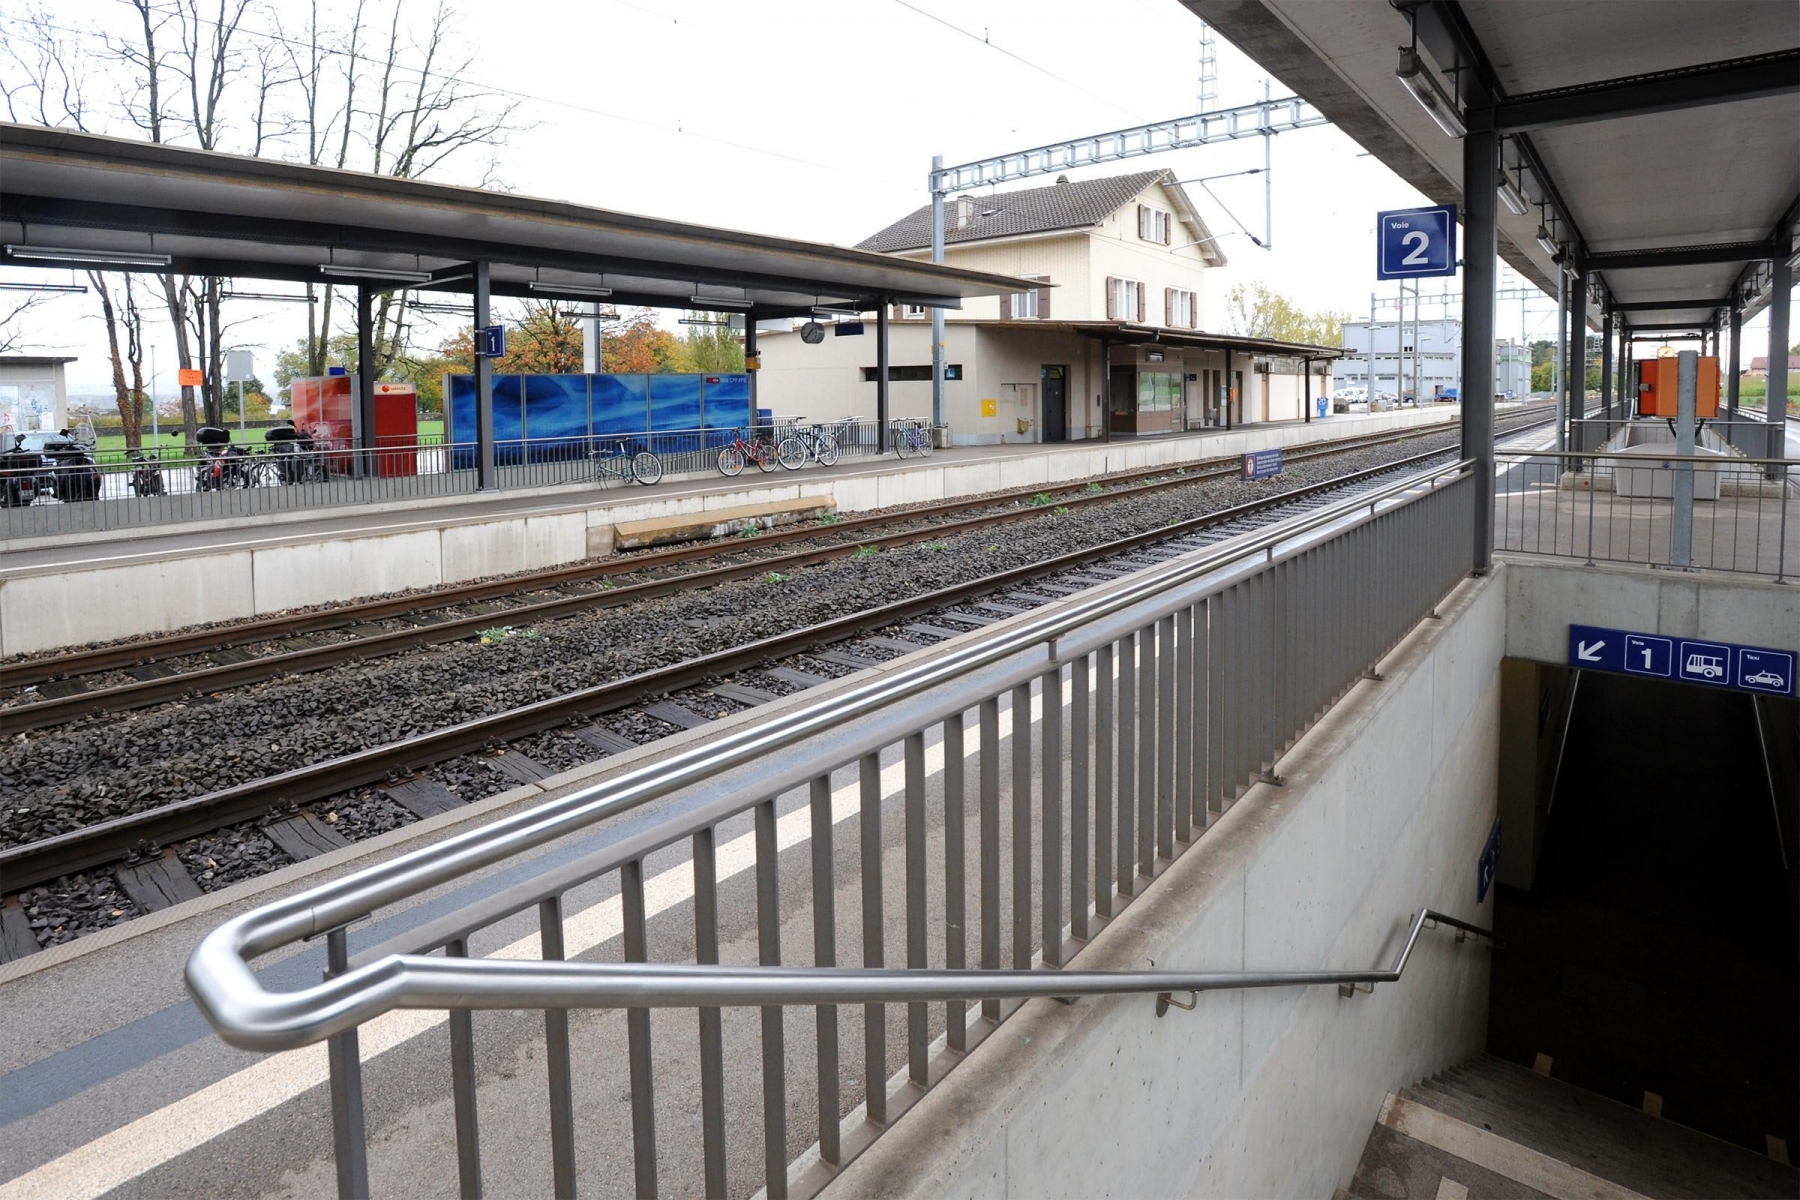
{"x": 1704, "y": 662}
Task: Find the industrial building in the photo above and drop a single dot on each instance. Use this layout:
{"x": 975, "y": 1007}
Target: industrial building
{"x": 1422, "y": 359}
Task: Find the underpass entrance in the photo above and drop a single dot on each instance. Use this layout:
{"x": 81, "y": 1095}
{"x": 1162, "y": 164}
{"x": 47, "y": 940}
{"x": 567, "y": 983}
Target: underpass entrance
{"x": 1647, "y": 905}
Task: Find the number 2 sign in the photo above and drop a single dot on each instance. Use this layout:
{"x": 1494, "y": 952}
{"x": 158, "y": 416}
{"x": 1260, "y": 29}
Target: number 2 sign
{"x": 1415, "y": 242}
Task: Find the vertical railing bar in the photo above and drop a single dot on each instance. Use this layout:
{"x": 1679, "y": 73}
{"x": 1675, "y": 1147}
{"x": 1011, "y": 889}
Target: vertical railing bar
{"x": 349, "y": 1139}
{"x": 1150, "y": 657}
{"x": 712, "y": 1043}
{"x": 556, "y": 1058}
{"x": 774, "y": 1045}
{"x": 956, "y": 953}
{"x": 1183, "y": 816}
{"x": 824, "y": 906}
{"x": 918, "y": 1019}
{"x": 637, "y": 1032}
{"x": 990, "y": 845}
{"x": 1080, "y": 795}
{"x": 1021, "y": 825}
{"x": 1168, "y": 666}
{"x": 1127, "y": 749}
{"x": 1198, "y": 817}
{"x": 873, "y": 932}
{"x": 1217, "y": 640}
{"x": 1103, "y": 779}
{"x": 462, "y": 1090}
{"x": 1050, "y": 901}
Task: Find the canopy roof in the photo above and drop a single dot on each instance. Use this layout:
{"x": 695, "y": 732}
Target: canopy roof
{"x": 221, "y": 214}
{"x": 1663, "y": 133}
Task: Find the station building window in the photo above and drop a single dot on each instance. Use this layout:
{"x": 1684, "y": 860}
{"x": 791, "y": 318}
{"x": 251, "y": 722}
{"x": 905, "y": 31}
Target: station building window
{"x": 1124, "y": 299}
{"x": 897, "y": 374}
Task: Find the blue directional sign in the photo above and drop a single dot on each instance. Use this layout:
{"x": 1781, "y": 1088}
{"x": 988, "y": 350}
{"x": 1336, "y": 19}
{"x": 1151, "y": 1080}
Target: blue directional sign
{"x": 1686, "y": 660}
{"x": 1490, "y": 862}
{"x": 1415, "y": 243}
{"x": 492, "y": 342}
{"x": 1260, "y": 464}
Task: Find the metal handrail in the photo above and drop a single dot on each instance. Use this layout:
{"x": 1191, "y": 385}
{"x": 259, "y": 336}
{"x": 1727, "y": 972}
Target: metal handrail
{"x": 428, "y": 982}
{"x": 245, "y": 1014}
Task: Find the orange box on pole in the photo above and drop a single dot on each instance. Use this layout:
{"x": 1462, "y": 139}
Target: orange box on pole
{"x": 1659, "y": 384}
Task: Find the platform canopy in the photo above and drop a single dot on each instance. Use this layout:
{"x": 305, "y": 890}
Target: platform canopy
{"x": 79, "y": 200}
{"x": 1665, "y": 136}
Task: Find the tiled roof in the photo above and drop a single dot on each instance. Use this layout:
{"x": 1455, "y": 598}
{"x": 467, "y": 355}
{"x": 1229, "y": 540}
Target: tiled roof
{"x": 1007, "y": 214}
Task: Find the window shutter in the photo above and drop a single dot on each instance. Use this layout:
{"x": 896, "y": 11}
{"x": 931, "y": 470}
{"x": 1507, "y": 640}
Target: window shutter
{"x": 1143, "y": 221}
{"x": 1169, "y": 306}
{"x": 1194, "y": 312}
{"x": 1168, "y": 229}
{"x": 1043, "y": 299}
{"x": 1006, "y": 306}
{"x": 1140, "y": 300}
{"x": 899, "y": 312}
{"x": 1112, "y": 298}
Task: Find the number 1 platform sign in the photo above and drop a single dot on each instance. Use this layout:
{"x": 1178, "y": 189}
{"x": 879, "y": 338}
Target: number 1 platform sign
{"x": 1414, "y": 243}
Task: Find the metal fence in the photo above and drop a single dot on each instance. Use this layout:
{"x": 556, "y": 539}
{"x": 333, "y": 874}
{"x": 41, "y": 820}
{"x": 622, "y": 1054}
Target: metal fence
{"x": 168, "y": 487}
{"x": 1075, "y": 751}
{"x": 1745, "y": 516}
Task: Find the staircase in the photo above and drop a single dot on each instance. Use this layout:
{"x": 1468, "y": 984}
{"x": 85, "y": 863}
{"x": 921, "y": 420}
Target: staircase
{"x": 1491, "y": 1129}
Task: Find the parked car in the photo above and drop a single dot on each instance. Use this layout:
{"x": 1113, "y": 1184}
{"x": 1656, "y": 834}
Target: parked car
{"x": 65, "y": 466}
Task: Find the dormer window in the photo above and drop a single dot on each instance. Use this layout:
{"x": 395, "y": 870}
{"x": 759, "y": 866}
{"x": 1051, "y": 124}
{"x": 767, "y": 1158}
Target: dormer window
{"x": 1154, "y": 224}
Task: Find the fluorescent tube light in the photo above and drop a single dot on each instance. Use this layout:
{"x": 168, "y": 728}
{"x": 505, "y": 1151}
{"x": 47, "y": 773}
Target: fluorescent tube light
{"x": 338, "y": 272}
{"x": 720, "y": 302}
{"x": 1513, "y": 197}
{"x": 271, "y": 296}
{"x": 570, "y": 289}
{"x": 1430, "y": 94}
{"x": 44, "y": 287}
{"x": 826, "y": 310}
{"x": 1547, "y": 242}
{"x": 115, "y": 258}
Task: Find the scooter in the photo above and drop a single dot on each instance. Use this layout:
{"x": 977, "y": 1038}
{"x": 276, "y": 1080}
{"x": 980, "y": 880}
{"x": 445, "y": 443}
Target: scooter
{"x": 224, "y": 464}
{"x": 295, "y": 460}
{"x": 146, "y": 474}
{"x": 22, "y": 478}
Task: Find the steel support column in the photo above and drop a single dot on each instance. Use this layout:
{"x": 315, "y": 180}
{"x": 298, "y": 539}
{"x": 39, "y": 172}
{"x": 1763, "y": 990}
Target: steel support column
{"x": 1306, "y": 389}
{"x": 485, "y": 475}
{"x": 881, "y": 375}
{"x": 1681, "y": 522}
{"x": 1228, "y": 389}
{"x": 1559, "y": 382}
{"x": 365, "y": 375}
{"x": 750, "y": 357}
{"x": 1781, "y": 287}
{"x": 1734, "y": 366}
{"x": 1606, "y": 364}
{"x": 1578, "y": 306}
{"x": 1481, "y": 157}
{"x": 937, "y": 314}
{"x": 1105, "y": 391}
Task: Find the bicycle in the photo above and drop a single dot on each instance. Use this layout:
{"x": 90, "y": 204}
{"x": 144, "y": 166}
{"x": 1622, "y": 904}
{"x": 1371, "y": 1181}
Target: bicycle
{"x": 913, "y": 437}
{"x": 640, "y": 467}
{"x": 807, "y": 441}
{"x": 736, "y": 452}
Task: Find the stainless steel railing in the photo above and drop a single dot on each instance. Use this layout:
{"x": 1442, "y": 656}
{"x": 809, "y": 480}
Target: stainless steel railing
{"x": 1619, "y": 508}
{"x": 1161, "y": 698}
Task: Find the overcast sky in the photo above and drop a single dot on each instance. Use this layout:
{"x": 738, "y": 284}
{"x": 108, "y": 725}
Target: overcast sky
{"x": 817, "y": 119}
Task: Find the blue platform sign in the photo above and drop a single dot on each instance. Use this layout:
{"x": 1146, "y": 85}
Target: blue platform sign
{"x": 1490, "y": 862}
{"x": 1683, "y": 660}
{"x": 1415, "y": 243}
{"x": 492, "y": 342}
{"x": 1260, "y": 464}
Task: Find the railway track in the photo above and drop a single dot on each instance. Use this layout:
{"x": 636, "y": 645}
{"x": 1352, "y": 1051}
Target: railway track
{"x": 49, "y": 691}
{"x": 746, "y": 674}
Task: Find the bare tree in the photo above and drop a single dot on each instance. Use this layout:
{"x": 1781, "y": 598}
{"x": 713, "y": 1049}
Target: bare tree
{"x": 12, "y": 321}
{"x": 128, "y": 389}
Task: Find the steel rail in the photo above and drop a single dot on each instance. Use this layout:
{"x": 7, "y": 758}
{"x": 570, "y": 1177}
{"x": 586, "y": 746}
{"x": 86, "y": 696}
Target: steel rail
{"x": 86, "y": 662}
{"x": 228, "y": 992}
{"x": 59, "y": 710}
{"x": 293, "y": 1019}
{"x": 94, "y": 845}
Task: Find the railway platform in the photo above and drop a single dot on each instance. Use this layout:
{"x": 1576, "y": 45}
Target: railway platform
{"x": 103, "y": 586}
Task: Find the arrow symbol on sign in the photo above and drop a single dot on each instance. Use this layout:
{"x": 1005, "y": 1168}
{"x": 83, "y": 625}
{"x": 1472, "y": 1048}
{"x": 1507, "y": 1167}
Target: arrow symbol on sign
{"x": 1587, "y": 653}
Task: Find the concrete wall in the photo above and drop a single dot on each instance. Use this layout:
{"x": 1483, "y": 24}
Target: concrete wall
{"x": 1267, "y": 1093}
{"x": 43, "y": 609}
{"x": 1546, "y": 596}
